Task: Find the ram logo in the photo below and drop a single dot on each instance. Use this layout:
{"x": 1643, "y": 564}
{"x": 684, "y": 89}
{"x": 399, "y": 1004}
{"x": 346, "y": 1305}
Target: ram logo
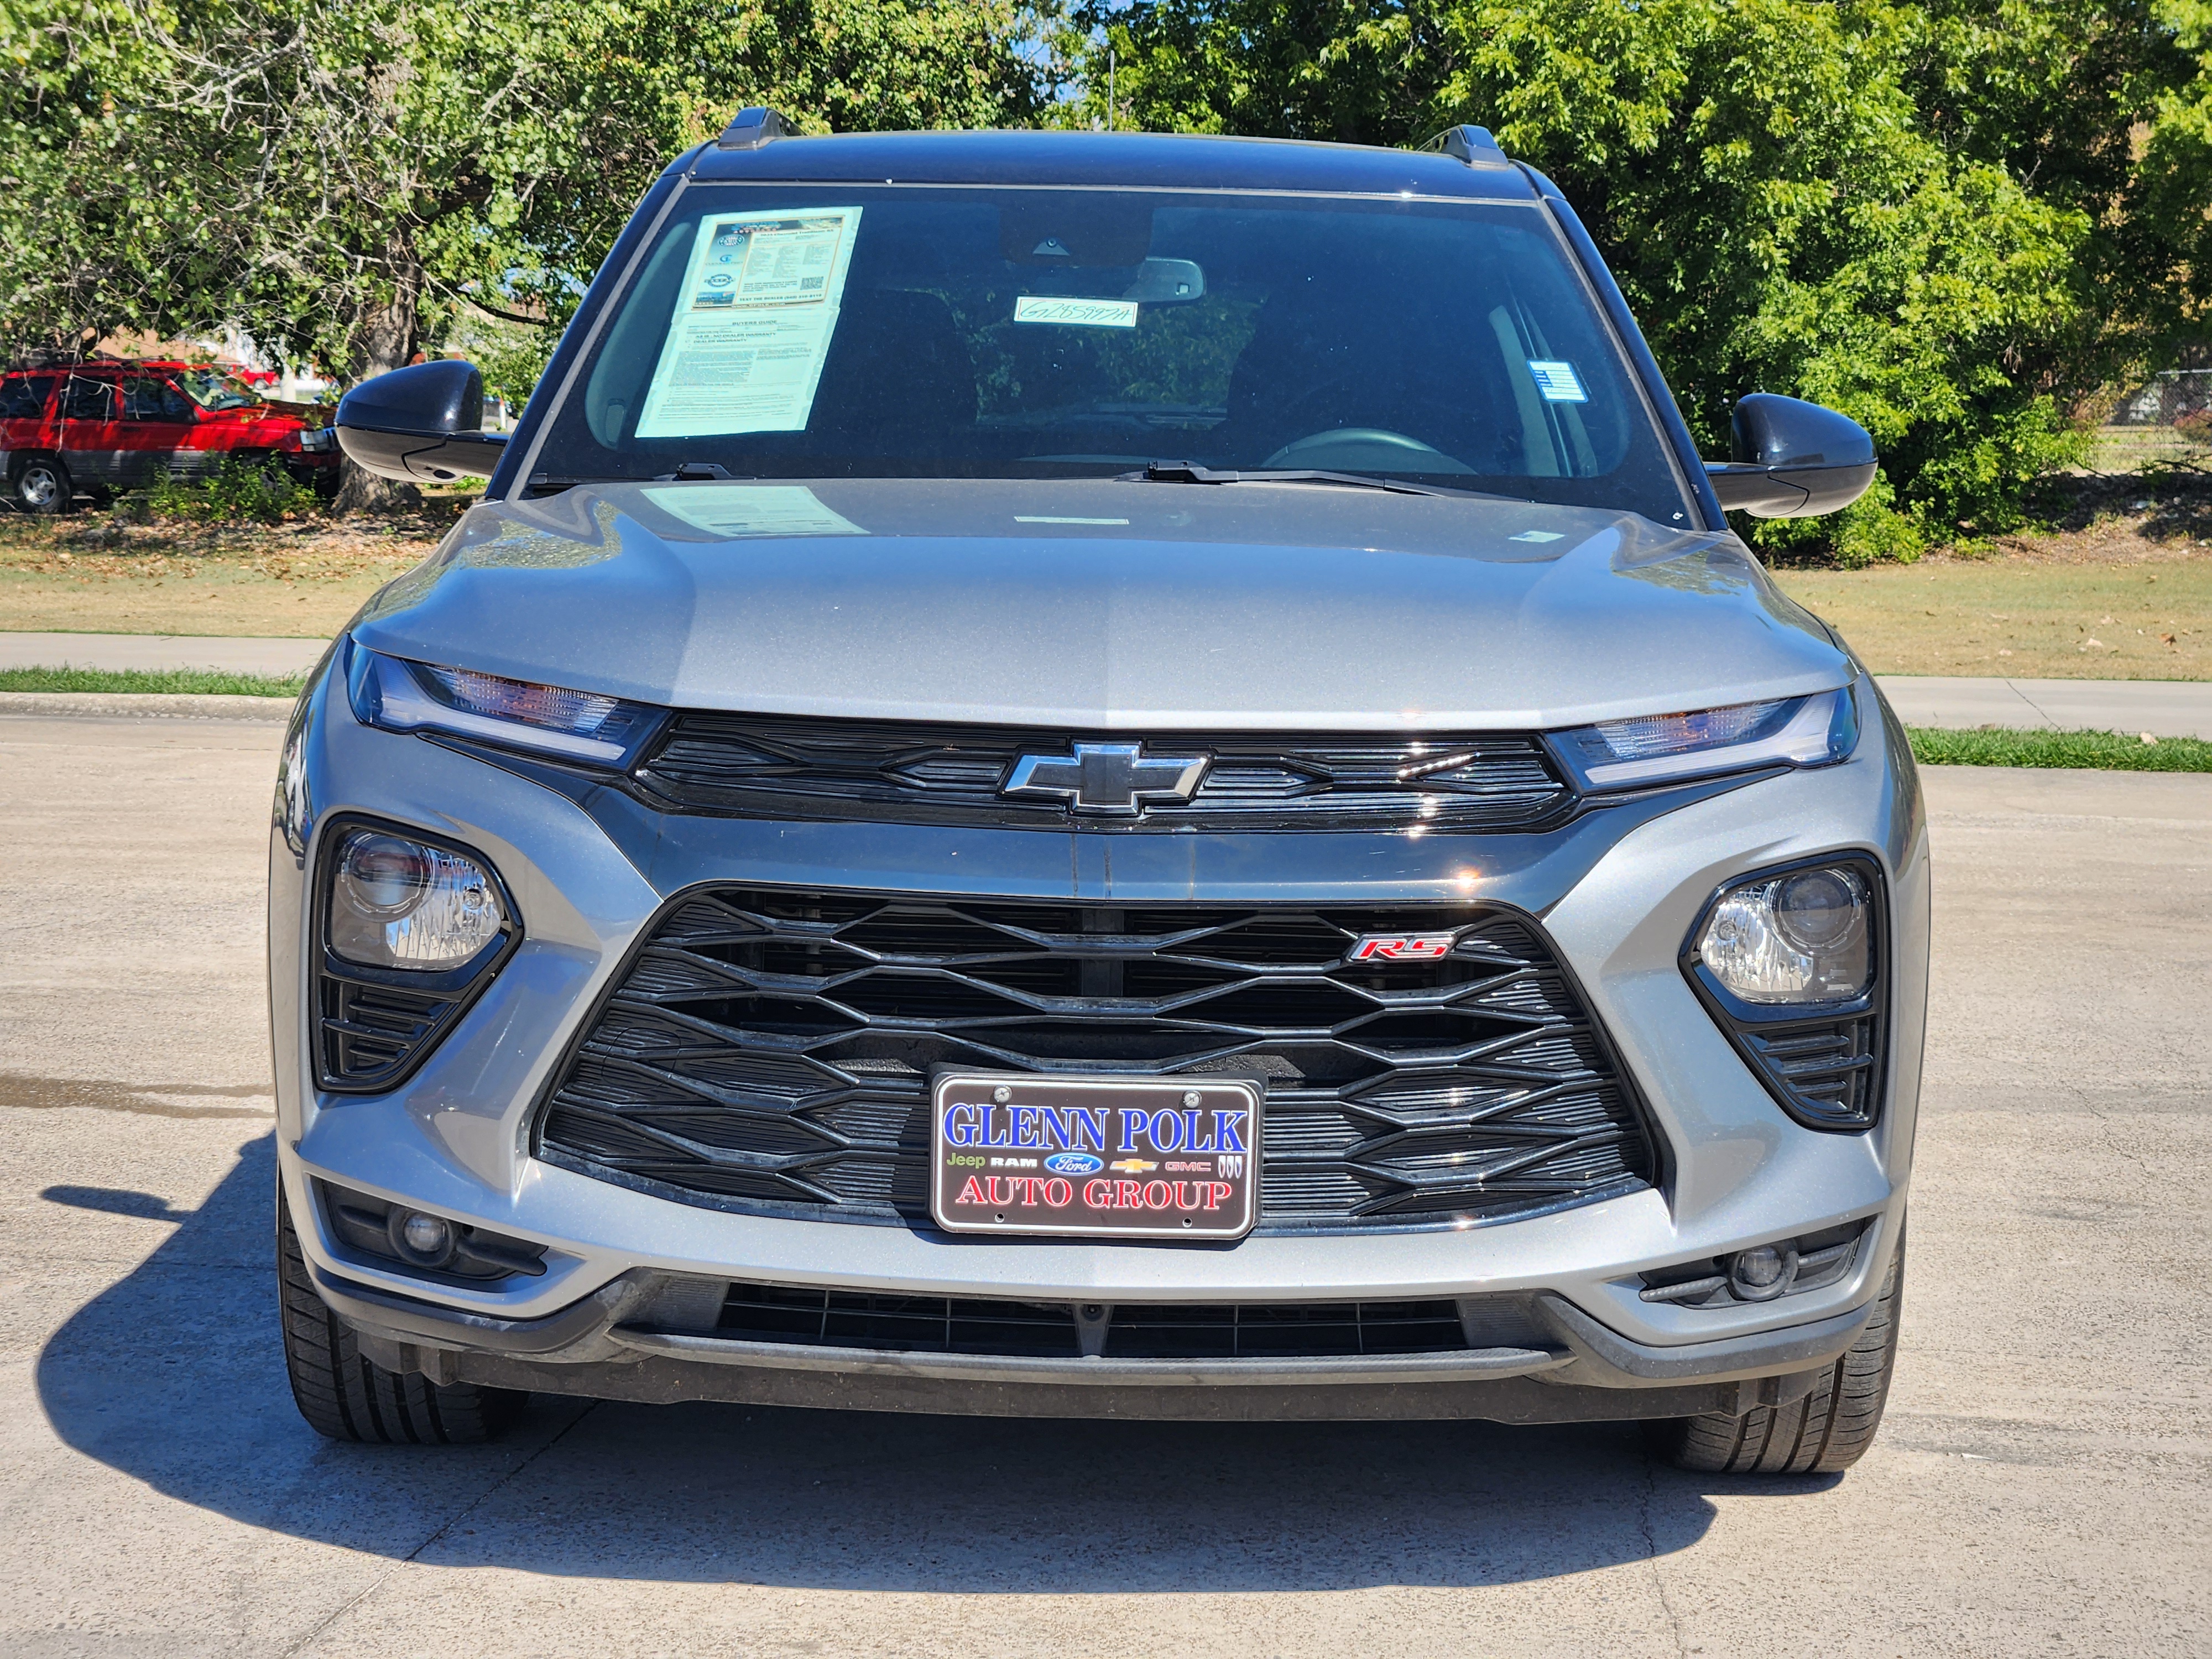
{"x": 1400, "y": 947}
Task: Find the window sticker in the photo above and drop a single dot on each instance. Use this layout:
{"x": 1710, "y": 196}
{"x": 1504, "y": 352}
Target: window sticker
{"x": 1078, "y": 313}
{"x": 1537, "y": 536}
{"x": 1556, "y": 382}
{"x": 733, "y": 511}
{"x": 752, "y": 324}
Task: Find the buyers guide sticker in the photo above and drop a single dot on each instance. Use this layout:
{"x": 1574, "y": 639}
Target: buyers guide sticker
{"x": 752, "y": 324}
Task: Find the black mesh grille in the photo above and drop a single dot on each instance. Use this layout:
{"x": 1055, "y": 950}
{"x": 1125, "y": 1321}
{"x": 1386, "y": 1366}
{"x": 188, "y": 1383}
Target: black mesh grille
{"x": 948, "y": 775}
{"x": 928, "y": 1324}
{"x": 772, "y": 1048}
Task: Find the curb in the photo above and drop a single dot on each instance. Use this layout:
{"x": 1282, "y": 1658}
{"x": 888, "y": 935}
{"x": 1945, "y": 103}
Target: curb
{"x": 145, "y": 705}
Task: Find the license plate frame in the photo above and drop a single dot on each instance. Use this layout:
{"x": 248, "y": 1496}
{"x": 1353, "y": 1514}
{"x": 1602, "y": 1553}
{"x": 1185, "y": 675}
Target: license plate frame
{"x": 977, "y": 1147}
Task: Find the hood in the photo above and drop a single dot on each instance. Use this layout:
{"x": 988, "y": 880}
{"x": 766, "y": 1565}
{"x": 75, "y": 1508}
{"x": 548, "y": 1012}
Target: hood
{"x": 1103, "y": 603}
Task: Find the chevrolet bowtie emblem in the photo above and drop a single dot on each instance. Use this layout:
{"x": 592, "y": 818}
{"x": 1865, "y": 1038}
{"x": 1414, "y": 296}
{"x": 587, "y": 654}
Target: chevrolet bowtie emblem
{"x": 1107, "y": 777}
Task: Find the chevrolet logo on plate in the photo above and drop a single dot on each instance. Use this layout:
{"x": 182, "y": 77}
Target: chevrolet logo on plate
{"x": 1107, "y": 777}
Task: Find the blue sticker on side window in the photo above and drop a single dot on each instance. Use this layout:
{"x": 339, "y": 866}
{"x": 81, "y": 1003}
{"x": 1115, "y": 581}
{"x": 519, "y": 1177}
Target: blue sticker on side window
{"x": 1557, "y": 383}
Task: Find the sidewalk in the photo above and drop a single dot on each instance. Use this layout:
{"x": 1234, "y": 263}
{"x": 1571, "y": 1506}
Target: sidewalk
{"x": 2165, "y": 709}
{"x": 157, "y": 653}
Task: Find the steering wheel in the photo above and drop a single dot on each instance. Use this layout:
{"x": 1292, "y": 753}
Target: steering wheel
{"x": 1349, "y": 448}
{"x": 1368, "y": 448}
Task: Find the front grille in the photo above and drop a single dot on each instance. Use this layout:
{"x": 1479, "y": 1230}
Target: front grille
{"x": 770, "y": 1050}
{"x": 950, "y": 775}
{"x": 929, "y": 1324}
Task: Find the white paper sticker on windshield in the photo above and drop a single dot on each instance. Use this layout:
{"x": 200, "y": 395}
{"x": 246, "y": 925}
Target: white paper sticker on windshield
{"x": 1079, "y": 313}
{"x": 752, "y": 325}
{"x": 733, "y": 510}
{"x": 1556, "y": 382}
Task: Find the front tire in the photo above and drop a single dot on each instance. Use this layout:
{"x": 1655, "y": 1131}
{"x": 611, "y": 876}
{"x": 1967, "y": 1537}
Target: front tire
{"x": 347, "y": 1397}
{"x": 1824, "y": 1433}
{"x": 41, "y": 485}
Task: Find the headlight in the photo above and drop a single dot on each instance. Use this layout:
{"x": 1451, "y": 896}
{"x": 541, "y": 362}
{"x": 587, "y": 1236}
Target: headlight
{"x": 398, "y": 902}
{"x": 396, "y": 695}
{"x": 1815, "y": 730}
{"x": 1805, "y": 937}
{"x": 411, "y": 931}
{"x": 1790, "y": 962}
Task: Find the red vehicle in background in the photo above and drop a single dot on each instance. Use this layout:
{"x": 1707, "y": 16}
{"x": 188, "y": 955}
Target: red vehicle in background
{"x": 94, "y": 429}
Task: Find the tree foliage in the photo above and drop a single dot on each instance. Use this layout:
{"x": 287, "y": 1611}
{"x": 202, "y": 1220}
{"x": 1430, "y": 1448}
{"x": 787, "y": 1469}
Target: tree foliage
{"x": 350, "y": 180}
{"x": 1957, "y": 221}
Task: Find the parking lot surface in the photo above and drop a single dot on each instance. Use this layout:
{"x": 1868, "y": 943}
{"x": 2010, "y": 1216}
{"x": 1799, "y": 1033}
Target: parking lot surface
{"x": 2042, "y": 1485}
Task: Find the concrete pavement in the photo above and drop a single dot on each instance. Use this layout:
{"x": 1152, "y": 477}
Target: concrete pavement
{"x": 2165, "y": 709}
{"x": 2043, "y": 1486}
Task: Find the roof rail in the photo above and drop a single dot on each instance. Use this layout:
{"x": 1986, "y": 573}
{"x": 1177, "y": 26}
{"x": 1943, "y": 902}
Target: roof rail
{"x": 753, "y": 126}
{"x": 1465, "y": 143}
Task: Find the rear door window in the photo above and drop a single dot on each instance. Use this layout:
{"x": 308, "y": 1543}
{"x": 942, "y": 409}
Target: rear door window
{"x": 23, "y": 397}
{"x": 88, "y": 399}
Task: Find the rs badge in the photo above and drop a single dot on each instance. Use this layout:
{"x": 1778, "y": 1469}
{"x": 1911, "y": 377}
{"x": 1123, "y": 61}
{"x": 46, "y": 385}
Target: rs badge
{"x": 1400, "y": 947}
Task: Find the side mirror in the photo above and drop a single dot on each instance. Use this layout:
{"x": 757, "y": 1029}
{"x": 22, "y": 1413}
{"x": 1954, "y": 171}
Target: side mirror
{"x": 424, "y": 423}
{"x": 1793, "y": 459}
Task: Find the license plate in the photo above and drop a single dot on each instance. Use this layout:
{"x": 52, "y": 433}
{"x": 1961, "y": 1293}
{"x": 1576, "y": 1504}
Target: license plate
{"x": 1107, "y": 1158}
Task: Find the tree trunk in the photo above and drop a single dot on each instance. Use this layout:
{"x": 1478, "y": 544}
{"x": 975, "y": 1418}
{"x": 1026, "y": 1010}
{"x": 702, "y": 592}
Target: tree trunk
{"x": 384, "y": 339}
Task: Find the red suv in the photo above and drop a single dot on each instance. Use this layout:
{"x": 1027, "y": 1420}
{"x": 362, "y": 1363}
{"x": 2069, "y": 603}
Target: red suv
{"x": 94, "y": 429}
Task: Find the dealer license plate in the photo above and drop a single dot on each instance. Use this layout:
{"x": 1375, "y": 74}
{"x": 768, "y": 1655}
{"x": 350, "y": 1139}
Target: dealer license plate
{"x": 1107, "y": 1157}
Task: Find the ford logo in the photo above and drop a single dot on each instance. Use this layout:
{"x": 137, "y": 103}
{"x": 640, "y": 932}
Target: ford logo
{"x": 1075, "y": 1164}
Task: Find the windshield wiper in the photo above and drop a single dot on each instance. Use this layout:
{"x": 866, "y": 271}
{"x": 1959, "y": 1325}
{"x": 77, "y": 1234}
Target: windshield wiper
{"x": 552, "y": 483}
{"x": 702, "y": 472}
{"x": 1190, "y": 472}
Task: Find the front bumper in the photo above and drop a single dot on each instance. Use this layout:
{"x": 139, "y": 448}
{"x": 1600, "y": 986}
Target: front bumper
{"x": 617, "y": 1344}
{"x": 587, "y": 879}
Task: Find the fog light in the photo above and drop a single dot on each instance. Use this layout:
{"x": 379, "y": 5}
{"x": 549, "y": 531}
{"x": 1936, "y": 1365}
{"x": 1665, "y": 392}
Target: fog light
{"x": 1762, "y": 1272}
{"x": 425, "y": 1240}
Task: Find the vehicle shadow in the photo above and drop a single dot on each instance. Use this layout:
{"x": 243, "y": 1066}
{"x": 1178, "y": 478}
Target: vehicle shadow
{"x": 172, "y": 1377}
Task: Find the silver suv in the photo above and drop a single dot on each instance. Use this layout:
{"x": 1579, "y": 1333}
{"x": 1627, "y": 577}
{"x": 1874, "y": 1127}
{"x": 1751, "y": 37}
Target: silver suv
{"x": 1085, "y": 775}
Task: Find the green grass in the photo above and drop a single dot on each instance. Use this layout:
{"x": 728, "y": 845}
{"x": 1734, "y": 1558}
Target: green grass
{"x": 2114, "y": 751}
{"x": 197, "y": 681}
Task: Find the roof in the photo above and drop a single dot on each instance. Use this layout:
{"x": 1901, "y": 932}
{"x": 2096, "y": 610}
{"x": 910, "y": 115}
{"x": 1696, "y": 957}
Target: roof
{"x": 1153, "y": 161}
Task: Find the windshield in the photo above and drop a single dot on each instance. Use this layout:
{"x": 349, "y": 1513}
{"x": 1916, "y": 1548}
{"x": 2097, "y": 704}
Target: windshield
{"x": 810, "y": 331}
{"x": 211, "y": 388}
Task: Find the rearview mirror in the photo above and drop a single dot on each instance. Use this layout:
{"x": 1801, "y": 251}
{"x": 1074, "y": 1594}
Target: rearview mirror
{"x": 1793, "y": 459}
{"x": 424, "y": 423}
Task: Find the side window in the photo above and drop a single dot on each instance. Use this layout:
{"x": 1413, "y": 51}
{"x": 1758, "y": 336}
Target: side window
{"x": 90, "y": 399}
{"x": 152, "y": 400}
{"x": 23, "y": 397}
{"x": 175, "y": 406}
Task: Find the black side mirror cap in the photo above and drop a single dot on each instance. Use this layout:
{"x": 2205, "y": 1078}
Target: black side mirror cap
{"x": 1793, "y": 459}
{"x": 422, "y": 423}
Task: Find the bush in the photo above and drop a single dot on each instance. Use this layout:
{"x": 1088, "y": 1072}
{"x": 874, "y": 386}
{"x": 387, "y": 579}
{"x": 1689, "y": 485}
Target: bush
{"x": 1870, "y": 530}
{"x": 240, "y": 488}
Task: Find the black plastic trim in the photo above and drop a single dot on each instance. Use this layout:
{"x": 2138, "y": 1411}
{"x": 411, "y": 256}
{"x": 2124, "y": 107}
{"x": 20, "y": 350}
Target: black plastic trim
{"x": 458, "y": 986}
{"x": 1736, "y": 1018}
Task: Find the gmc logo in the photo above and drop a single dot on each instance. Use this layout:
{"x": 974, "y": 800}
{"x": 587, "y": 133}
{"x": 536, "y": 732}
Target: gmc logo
{"x": 1400, "y": 947}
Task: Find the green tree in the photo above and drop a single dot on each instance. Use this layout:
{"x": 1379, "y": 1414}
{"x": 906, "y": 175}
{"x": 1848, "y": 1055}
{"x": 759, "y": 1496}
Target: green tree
{"x": 1941, "y": 219}
{"x": 348, "y": 179}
